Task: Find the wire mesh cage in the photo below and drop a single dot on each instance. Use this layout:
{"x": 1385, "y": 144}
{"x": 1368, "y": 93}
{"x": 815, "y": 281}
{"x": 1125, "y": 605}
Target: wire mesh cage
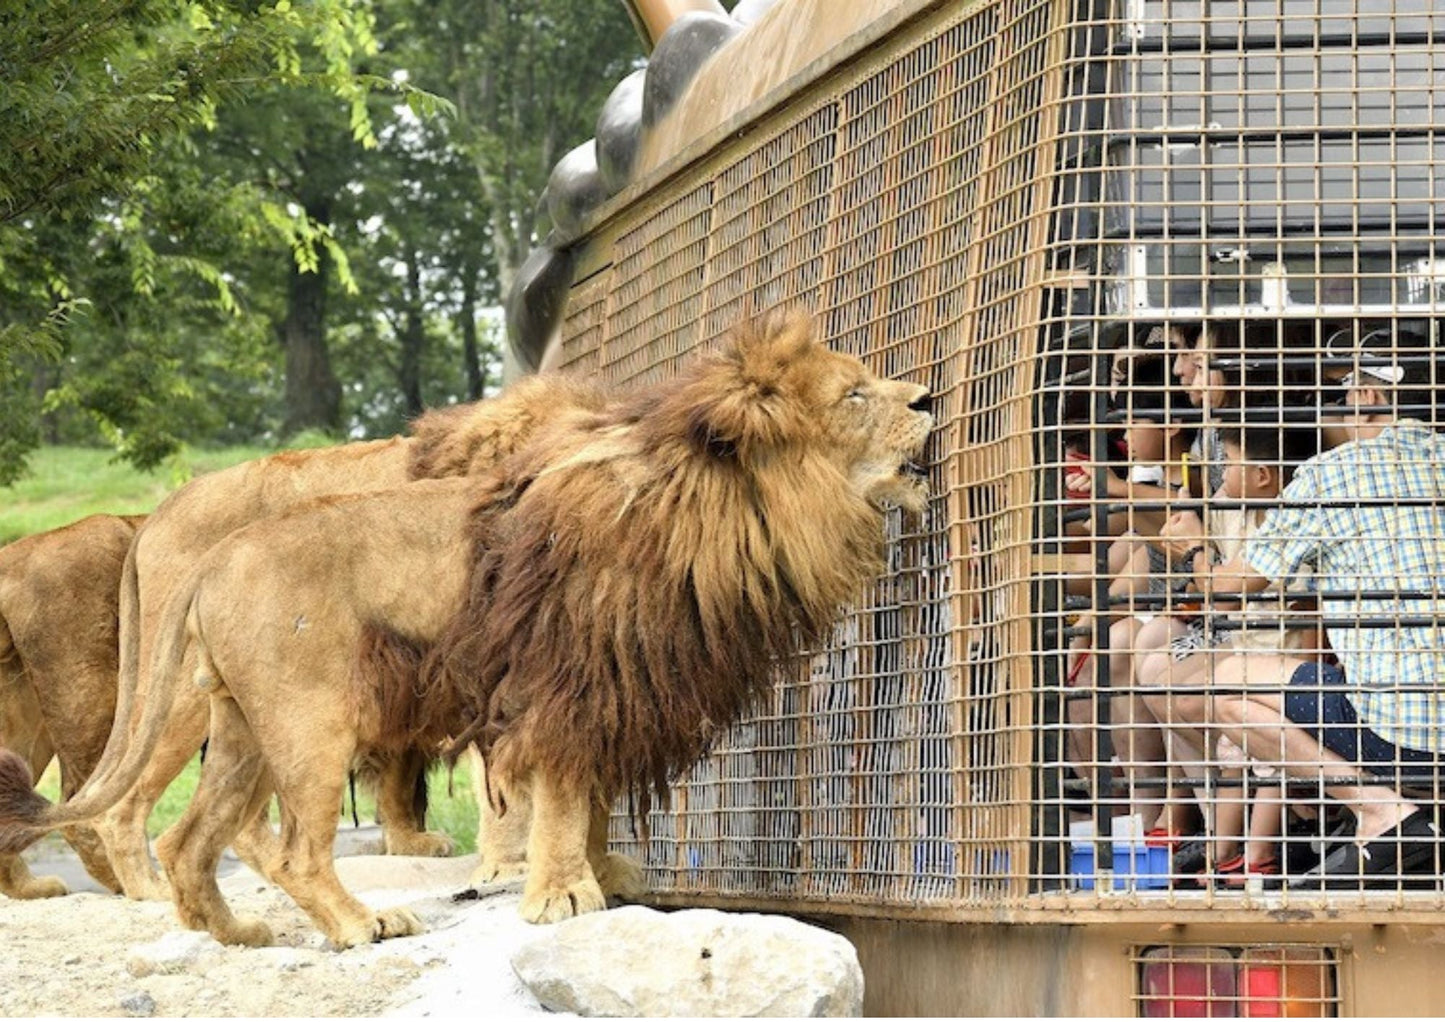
{"x": 1170, "y": 269}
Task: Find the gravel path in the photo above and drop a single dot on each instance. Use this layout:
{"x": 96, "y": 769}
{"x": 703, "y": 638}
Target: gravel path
{"x": 99, "y": 954}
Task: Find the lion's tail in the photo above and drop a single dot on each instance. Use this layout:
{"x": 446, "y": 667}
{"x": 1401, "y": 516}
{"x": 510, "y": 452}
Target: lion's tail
{"x": 128, "y": 682}
{"x": 25, "y": 816}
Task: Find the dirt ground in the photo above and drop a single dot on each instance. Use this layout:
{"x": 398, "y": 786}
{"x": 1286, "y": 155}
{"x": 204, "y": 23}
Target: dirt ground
{"x": 98, "y": 954}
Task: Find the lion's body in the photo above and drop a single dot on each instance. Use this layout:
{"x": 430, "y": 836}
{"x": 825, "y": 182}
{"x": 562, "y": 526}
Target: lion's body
{"x": 590, "y": 614}
{"x": 639, "y": 578}
{"x": 451, "y": 441}
{"x": 58, "y": 593}
{"x": 280, "y": 665}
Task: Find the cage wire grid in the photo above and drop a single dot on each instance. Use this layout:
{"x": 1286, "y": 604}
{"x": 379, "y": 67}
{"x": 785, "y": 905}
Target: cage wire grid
{"x": 1030, "y": 207}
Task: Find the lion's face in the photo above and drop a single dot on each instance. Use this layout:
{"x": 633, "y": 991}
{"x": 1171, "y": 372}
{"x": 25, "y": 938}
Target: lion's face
{"x": 778, "y": 392}
{"x": 877, "y": 427}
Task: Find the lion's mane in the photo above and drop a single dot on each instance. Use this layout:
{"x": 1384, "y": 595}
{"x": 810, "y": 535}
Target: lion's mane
{"x": 641, "y": 571}
{"x": 468, "y": 439}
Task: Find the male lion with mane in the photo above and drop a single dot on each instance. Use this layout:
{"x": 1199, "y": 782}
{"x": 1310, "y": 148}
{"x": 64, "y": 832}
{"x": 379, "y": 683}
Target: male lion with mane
{"x": 591, "y": 615}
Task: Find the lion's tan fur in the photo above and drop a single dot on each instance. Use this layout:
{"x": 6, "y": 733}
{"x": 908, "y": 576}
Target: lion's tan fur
{"x": 648, "y": 562}
{"x": 450, "y": 441}
{"x": 58, "y": 593}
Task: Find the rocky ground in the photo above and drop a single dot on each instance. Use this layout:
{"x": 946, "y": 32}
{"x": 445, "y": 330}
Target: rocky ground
{"x": 99, "y": 954}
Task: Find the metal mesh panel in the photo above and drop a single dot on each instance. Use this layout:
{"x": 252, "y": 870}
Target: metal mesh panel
{"x": 889, "y": 771}
{"x": 582, "y": 332}
{"x": 1244, "y": 239}
{"x": 1030, "y": 207}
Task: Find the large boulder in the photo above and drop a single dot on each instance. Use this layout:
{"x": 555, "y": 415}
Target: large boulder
{"x": 636, "y": 961}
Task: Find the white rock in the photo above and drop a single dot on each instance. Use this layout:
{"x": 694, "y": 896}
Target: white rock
{"x": 636, "y": 961}
{"x": 176, "y": 952}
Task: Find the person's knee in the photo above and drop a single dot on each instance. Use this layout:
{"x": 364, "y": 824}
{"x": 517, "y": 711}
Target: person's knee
{"x": 1171, "y": 708}
{"x": 1153, "y": 670}
{"x": 1157, "y": 633}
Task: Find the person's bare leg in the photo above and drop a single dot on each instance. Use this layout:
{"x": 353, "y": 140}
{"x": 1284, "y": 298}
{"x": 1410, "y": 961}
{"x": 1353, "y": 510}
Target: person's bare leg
{"x": 1255, "y": 721}
{"x": 1179, "y": 716}
{"x": 1266, "y": 825}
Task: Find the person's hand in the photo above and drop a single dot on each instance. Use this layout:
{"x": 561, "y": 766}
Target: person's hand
{"x": 1078, "y": 482}
{"x": 1182, "y": 531}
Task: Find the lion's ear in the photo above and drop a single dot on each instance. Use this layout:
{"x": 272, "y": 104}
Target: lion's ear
{"x": 741, "y": 400}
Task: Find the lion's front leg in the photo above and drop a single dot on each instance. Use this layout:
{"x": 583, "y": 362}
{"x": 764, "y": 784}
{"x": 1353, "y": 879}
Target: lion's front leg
{"x": 560, "y": 881}
{"x": 618, "y": 875}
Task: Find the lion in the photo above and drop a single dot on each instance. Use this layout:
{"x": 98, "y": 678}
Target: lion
{"x": 591, "y": 615}
{"x": 444, "y": 442}
{"x": 58, "y": 595}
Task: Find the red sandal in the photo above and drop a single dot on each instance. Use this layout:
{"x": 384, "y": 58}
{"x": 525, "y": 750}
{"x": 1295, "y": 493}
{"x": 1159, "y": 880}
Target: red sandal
{"x": 1163, "y": 837}
{"x": 1236, "y": 871}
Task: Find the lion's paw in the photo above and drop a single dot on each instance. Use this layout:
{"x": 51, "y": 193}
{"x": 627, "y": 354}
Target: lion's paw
{"x": 498, "y": 871}
{"x": 245, "y": 931}
{"x": 386, "y": 924}
{"x": 151, "y": 888}
{"x": 620, "y": 876}
{"x": 397, "y": 922}
{"x": 35, "y": 888}
{"x": 429, "y": 843}
{"x": 553, "y": 904}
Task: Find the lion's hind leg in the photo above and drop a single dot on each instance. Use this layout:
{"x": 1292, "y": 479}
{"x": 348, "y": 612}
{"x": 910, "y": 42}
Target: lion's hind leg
{"x": 618, "y": 875}
{"x": 232, "y": 789}
{"x": 501, "y": 836}
{"x": 310, "y": 789}
{"x": 123, "y": 828}
{"x": 22, "y": 732}
{"x": 560, "y": 882}
{"x": 400, "y": 801}
{"x": 82, "y": 837}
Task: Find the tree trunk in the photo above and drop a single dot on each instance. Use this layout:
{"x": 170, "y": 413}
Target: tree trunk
{"x": 471, "y": 355}
{"x": 313, "y": 395}
{"x": 413, "y": 339}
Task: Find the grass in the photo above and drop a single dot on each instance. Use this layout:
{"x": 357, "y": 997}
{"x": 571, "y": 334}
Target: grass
{"x": 453, "y": 807}
{"x": 68, "y": 483}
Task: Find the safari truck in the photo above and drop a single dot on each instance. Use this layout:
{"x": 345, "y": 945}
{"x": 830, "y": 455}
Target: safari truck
{"x": 1075, "y": 221}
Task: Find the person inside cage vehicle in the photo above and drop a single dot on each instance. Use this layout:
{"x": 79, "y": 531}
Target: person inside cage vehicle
{"x": 1366, "y": 517}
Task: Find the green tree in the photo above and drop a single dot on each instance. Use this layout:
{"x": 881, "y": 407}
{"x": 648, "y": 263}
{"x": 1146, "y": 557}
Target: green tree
{"x": 528, "y": 78}
{"x": 96, "y": 103}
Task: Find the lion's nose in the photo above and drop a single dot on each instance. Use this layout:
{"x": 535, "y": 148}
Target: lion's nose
{"x": 922, "y": 403}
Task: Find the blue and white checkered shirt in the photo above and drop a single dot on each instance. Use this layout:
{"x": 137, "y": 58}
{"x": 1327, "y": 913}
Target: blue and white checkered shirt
{"x": 1370, "y": 516}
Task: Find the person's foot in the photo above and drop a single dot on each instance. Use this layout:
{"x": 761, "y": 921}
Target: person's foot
{"x": 1236, "y": 871}
{"x": 1405, "y": 849}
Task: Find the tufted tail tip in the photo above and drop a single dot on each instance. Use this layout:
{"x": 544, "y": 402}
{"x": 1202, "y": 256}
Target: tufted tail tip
{"x": 20, "y": 804}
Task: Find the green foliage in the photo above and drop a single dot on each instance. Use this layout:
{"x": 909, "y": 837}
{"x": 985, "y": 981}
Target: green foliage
{"x": 170, "y": 163}
{"x": 453, "y": 806}
{"x": 101, "y": 200}
{"x": 64, "y": 484}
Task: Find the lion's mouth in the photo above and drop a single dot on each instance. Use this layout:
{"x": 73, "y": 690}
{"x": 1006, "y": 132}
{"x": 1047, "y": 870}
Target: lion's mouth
{"x": 913, "y": 470}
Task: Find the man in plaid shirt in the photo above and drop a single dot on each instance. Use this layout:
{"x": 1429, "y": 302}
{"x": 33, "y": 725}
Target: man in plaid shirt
{"x": 1367, "y": 518}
